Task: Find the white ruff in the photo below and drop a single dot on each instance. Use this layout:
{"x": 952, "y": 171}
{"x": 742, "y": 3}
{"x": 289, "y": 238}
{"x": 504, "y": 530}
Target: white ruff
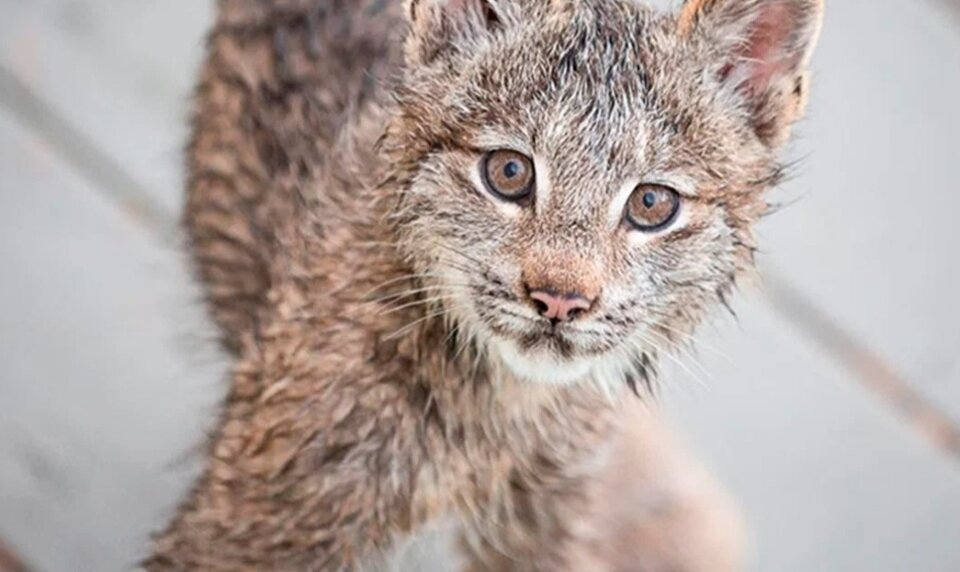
{"x": 541, "y": 366}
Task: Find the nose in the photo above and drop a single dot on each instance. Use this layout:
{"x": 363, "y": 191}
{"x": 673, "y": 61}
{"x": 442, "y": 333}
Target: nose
{"x": 560, "y": 306}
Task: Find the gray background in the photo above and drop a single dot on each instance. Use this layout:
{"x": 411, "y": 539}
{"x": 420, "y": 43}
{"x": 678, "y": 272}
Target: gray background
{"x": 798, "y": 405}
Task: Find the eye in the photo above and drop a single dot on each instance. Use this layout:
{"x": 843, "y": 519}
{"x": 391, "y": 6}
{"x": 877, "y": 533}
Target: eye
{"x": 507, "y": 174}
{"x": 652, "y": 207}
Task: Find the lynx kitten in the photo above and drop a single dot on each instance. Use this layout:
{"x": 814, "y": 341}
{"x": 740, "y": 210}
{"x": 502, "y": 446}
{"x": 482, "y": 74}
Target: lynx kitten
{"x": 445, "y": 239}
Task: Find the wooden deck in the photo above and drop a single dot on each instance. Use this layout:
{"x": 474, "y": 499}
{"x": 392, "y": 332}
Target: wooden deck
{"x": 830, "y": 407}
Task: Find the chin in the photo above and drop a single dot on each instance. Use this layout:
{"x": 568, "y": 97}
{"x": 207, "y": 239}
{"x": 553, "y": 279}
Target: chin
{"x": 541, "y": 365}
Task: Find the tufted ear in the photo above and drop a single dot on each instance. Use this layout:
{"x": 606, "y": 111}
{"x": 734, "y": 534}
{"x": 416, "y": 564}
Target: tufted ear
{"x": 444, "y": 27}
{"x": 763, "y": 48}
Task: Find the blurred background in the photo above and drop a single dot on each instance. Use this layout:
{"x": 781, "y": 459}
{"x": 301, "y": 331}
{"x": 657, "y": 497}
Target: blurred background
{"x": 829, "y": 407}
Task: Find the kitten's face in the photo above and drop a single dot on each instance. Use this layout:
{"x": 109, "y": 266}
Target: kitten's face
{"x": 581, "y": 182}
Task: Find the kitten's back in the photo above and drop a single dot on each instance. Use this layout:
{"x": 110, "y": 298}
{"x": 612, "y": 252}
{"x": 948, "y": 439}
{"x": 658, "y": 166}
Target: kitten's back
{"x": 279, "y": 82}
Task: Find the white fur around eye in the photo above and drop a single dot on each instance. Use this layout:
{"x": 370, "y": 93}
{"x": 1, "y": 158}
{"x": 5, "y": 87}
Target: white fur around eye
{"x": 619, "y": 205}
{"x": 639, "y": 238}
{"x": 544, "y": 187}
{"x": 508, "y": 209}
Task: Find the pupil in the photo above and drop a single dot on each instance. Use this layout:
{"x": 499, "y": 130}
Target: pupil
{"x": 511, "y": 169}
{"x": 649, "y": 199}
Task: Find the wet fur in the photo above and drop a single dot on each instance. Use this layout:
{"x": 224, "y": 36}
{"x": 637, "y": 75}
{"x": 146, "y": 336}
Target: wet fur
{"x": 329, "y": 214}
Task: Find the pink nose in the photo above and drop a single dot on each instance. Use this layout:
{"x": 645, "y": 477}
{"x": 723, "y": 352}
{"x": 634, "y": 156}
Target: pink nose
{"x": 562, "y": 307}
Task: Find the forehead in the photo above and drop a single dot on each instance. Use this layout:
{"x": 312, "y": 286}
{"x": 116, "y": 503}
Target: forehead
{"x": 578, "y": 95}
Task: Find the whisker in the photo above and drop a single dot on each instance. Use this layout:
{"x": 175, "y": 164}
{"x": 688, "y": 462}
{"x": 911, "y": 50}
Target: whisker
{"x": 468, "y": 341}
{"x": 411, "y": 276}
{"x": 694, "y": 341}
{"x": 415, "y": 303}
{"x": 415, "y": 291}
{"x": 457, "y": 266}
{"x": 403, "y": 330}
{"x": 465, "y": 256}
{"x": 667, "y": 352}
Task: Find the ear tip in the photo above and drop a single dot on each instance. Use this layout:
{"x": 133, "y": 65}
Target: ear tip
{"x": 804, "y": 17}
{"x": 690, "y": 13}
{"x": 693, "y": 11}
{"x": 816, "y": 27}
{"x": 410, "y": 9}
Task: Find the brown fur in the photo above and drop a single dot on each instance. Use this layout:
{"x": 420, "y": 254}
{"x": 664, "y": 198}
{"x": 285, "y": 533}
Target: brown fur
{"x": 690, "y": 13}
{"x": 328, "y": 209}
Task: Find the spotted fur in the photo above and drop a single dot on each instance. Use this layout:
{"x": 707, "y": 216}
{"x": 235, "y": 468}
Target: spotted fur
{"x": 389, "y": 371}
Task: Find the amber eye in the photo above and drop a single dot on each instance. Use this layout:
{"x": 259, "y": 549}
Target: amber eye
{"x": 652, "y": 207}
{"x": 507, "y": 174}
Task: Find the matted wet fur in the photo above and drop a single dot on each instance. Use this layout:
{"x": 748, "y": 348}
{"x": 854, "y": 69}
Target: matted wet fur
{"x": 390, "y": 368}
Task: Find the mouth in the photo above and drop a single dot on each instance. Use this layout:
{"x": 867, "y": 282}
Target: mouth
{"x": 542, "y": 351}
{"x": 565, "y": 340}
{"x": 548, "y": 339}
{"x": 534, "y": 334}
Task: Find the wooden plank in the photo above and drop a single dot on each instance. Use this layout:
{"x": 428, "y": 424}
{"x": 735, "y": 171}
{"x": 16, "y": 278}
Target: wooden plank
{"x": 9, "y": 561}
{"x": 84, "y": 154}
{"x": 869, "y": 233}
{"x": 827, "y": 479}
{"x": 118, "y": 72}
{"x": 105, "y": 388}
{"x": 143, "y": 51}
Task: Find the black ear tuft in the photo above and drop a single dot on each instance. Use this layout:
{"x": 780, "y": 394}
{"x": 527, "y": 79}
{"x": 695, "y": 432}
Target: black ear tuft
{"x": 491, "y": 17}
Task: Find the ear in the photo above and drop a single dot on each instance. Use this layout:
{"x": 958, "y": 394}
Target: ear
{"x": 763, "y": 47}
{"x": 443, "y": 27}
